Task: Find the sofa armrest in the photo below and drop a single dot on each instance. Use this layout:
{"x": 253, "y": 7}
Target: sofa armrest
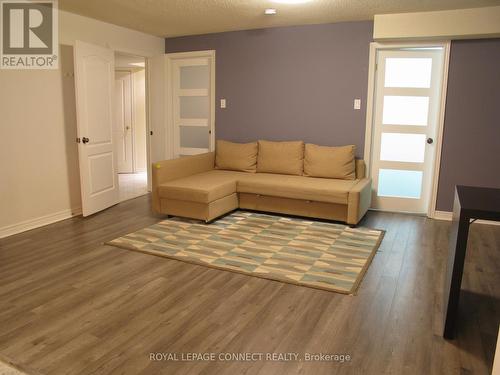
{"x": 359, "y": 200}
{"x": 169, "y": 170}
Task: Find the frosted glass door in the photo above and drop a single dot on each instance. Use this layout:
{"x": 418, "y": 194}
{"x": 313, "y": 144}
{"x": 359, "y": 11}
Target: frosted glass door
{"x": 406, "y": 110}
{"x": 193, "y": 104}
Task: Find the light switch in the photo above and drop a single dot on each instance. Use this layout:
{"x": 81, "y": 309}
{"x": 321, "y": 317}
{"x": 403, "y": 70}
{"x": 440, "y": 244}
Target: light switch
{"x": 357, "y": 103}
{"x": 223, "y": 103}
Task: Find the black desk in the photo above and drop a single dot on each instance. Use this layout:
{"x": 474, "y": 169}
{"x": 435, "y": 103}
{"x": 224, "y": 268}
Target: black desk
{"x": 470, "y": 203}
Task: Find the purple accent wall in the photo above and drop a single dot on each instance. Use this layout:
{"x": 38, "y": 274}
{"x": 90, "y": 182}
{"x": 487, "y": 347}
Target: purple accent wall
{"x": 289, "y": 83}
{"x": 471, "y": 141}
{"x": 300, "y": 82}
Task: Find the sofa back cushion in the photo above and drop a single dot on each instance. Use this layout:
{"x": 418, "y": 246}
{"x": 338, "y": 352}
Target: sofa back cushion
{"x": 236, "y": 156}
{"x": 330, "y": 162}
{"x": 281, "y": 157}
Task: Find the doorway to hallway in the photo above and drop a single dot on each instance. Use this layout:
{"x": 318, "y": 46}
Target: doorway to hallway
{"x": 130, "y": 130}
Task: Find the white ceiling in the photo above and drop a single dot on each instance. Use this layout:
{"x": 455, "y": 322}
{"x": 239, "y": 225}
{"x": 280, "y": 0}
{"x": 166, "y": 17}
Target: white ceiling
{"x": 168, "y": 18}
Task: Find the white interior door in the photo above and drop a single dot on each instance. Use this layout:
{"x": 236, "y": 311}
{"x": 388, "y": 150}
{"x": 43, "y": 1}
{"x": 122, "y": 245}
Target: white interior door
{"x": 193, "y": 102}
{"x": 123, "y": 122}
{"x": 408, "y": 87}
{"x": 94, "y": 86}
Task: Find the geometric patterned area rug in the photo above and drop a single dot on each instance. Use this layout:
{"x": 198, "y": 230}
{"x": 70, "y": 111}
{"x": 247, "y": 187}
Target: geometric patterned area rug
{"x": 310, "y": 253}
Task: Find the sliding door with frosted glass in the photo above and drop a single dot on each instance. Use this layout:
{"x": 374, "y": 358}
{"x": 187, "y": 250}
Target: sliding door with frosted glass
{"x": 408, "y": 87}
{"x": 193, "y": 105}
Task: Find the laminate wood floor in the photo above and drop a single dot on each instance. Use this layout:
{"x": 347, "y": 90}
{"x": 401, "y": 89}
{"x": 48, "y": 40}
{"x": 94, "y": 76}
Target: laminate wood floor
{"x": 70, "y": 305}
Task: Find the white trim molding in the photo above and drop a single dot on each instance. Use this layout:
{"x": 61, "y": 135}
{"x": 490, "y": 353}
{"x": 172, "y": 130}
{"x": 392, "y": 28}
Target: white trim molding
{"x": 431, "y": 211}
{"x": 448, "y": 216}
{"x": 372, "y": 61}
{"x": 443, "y": 215}
{"x": 38, "y": 222}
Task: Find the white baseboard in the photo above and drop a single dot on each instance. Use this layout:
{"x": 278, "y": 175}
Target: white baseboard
{"x": 446, "y": 215}
{"x": 23, "y": 226}
{"x": 443, "y": 215}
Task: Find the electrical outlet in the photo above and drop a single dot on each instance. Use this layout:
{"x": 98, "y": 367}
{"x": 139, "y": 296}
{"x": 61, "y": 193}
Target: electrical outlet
{"x": 357, "y": 103}
{"x": 223, "y": 103}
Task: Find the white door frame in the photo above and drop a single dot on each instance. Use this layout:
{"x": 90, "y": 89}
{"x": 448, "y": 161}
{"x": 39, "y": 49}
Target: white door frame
{"x": 374, "y": 48}
{"x": 147, "y": 106}
{"x": 148, "y": 57}
{"x": 170, "y": 96}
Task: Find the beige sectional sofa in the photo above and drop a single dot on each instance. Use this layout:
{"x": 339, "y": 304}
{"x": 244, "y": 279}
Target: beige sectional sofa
{"x": 282, "y": 177}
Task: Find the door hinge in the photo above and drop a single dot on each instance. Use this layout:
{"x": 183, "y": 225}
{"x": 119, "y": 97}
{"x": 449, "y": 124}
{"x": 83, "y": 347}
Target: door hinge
{"x": 78, "y": 140}
{"x": 150, "y": 132}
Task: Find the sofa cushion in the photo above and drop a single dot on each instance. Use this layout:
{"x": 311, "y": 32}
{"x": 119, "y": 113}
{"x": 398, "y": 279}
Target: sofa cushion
{"x": 203, "y": 187}
{"x": 281, "y": 157}
{"x": 297, "y": 187}
{"x": 330, "y": 162}
{"x": 236, "y": 156}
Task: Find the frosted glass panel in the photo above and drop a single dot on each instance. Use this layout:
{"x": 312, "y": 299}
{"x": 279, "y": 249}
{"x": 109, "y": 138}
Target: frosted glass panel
{"x": 408, "y": 72}
{"x": 405, "y": 110}
{"x": 194, "y": 136}
{"x": 402, "y": 147}
{"x": 193, "y": 106}
{"x": 194, "y": 77}
{"x": 399, "y": 183}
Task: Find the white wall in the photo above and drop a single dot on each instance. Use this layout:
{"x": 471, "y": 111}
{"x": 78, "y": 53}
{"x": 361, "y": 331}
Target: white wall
{"x": 74, "y": 27}
{"x": 446, "y": 24}
{"x": 39, "y": 177}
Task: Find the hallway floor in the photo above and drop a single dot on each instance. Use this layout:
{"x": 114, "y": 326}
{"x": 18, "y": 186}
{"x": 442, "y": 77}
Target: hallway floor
{"x": 132, "y": 185}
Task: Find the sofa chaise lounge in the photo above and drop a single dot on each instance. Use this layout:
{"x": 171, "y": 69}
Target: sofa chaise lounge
{"x": 281, "y": 177}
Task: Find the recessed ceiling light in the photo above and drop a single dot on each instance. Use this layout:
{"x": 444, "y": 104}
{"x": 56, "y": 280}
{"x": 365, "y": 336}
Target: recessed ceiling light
{"x": 290, "y": 1}
{"x": 270, "y": 11}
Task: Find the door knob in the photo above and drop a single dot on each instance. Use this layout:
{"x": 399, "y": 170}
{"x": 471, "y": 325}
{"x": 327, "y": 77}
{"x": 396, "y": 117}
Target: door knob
{"x": 85, "y": 140}
{"x": 430, "y": 140}
{"x": 127, "y": 127}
